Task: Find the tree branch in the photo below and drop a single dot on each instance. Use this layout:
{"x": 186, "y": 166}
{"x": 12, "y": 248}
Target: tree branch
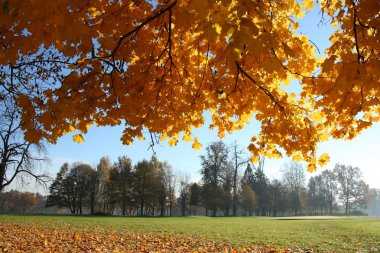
{"x": 259, "y": 86}
{"x": 141, "y": 25}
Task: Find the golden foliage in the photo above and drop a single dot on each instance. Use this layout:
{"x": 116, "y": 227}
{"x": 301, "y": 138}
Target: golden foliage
{"x": 78, "y": 138}
{"x": 161, "y": 67}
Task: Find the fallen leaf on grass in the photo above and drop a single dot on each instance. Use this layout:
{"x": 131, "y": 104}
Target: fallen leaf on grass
{"x": 34, "y": 238}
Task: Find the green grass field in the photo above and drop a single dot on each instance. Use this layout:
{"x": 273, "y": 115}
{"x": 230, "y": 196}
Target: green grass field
{"x": 339, "y": 234}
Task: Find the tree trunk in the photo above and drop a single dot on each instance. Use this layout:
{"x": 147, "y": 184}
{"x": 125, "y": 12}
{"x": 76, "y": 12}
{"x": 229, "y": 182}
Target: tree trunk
{"x": 142, "y": 207}
{"x": 2, "y": 175}
{"x": 123, "y": 205}
{"x": 162, "y": 210}
{"x": 234, "y": 200}
{"x": 214, "y": 212}
{"x": 183, "y": 207}
{"x": 92, "y": 206}
{"x": 105, "y": 206}
{"x": 234, "y": 208}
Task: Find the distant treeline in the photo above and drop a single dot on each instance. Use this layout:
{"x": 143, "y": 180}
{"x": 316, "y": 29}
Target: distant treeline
{"x": 230, "y": 186}
{"x": 21, "y": 202}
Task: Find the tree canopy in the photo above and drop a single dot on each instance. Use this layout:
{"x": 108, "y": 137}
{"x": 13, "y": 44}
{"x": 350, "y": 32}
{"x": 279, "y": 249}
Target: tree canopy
{"x": 159, "y": 65}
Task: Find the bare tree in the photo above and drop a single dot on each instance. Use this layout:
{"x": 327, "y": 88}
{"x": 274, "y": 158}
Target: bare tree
{"x": 18, "y": 157}
{"x": 184, "y": 191}
{"x": 330, "y": 185}
{"x": 170, "y": 185}
{"x": 353, "y": 191}
{"x": 29, "y": 76}
{"x": 237, "y": 161}
{"x": 293, "y": 175}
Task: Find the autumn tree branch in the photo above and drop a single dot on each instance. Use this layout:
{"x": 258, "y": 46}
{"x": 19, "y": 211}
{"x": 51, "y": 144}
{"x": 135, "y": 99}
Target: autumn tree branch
{"x": 267, "y": 92}
{"x": 357, "y": 48}
{"x": 141, "y": 25}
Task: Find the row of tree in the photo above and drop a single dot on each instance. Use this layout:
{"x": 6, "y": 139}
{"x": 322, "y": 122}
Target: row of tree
{"x": 230, "y": 185}
{"x": 224, "y": 188}
{"x": 143, "y": 189}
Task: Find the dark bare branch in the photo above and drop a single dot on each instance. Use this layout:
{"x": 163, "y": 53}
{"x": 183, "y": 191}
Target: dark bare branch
{"x": 141, "y": 25}
{"x": 267, "y": 92}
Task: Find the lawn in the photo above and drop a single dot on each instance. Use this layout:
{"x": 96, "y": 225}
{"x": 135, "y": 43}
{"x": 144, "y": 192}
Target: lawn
{"x": 338, "y": 234}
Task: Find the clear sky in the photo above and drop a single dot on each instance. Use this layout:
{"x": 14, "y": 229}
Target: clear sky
{"x": 363, "y": 151}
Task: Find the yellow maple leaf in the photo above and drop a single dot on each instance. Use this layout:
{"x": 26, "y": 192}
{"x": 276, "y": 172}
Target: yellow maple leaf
{"x": 297, "y": 158}
{"x": 78, "y": 138}
{"x": 71, "y": 129}
{"x": 196, "y": 145}
{"x": 309, "y": 4}
{"x": 254, "y": 159}
{"x": 187, "y": 138}
{"x": 163, "y": 137}
{"x": 323, "y": 159}
{"x": 317, "y": 116}
{"x": 173, "y": 142}
{"x": 324, "y": 136}
{"x": 245, "y": 116}
{"x": 311, "y": 167}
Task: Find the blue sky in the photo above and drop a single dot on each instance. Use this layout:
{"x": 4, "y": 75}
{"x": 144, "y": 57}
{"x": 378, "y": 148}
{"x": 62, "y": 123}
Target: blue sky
{"x": 363, "y": 151}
